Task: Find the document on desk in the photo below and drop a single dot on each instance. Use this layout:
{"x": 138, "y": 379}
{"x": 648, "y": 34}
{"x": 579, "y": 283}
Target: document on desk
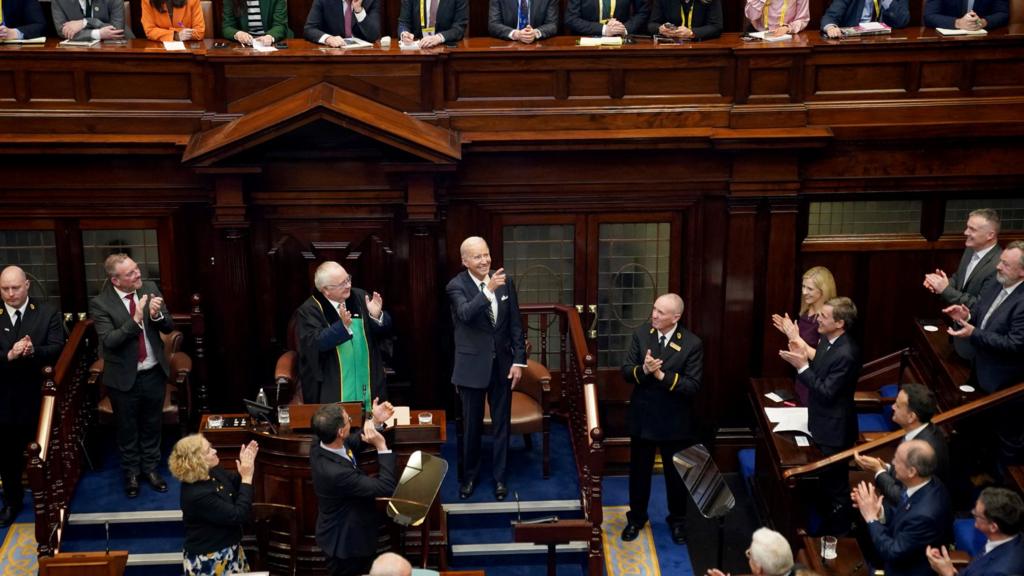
{"x": 601, "y": 41}
{"x": 36, "y": 40}
{"x": 767, "y": 37}
{"x": 788, "y": 419}
{"x": 261, "y": 47}
{"x": 174, "y": 45}
{"x": 958, "y": 32}
{"x": 409, "y": 45}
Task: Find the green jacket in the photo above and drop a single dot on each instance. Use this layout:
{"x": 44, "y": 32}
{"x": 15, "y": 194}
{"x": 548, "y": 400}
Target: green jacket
{"x": 274, "y": 14}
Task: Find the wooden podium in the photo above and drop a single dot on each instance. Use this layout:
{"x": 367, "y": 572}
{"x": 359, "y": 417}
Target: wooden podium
{"x": 283, "y": 475}
{"x": 84, "y": 564}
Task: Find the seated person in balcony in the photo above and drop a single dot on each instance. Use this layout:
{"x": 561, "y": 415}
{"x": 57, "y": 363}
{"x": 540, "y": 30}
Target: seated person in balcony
{"x": 686, "y": 19}
{"x": 31, "y": 336}
{"x": 778, "y": 17}
{"x": 105, "y": 22}
{"x": 248, "y": 21}
{"x": 969, "y": 15}
{"x": 915, "y": 405}
{"x": 21, "y": 19}
{"x": 340, "y": 329}
{"x": 607, "y": 17}
{"x": 847, "y": 13}
{"x": 523, "y": 20}
{"x": 998, "y": 514}
{"x": 215, "y": 504}
{"x": 433, "y": 21}
{"x": 166, "y": 20}
{"x": 331, "y": 21}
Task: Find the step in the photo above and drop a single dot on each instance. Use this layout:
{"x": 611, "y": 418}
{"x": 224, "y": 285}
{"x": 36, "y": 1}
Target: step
{"x": 125, "y": 517}
{"x": 513, "y": 549}
{"x": 467, "y": 508}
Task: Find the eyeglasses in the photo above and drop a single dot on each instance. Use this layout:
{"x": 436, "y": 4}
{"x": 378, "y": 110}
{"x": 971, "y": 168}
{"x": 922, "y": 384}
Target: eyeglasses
{"x": 347, "y": 282}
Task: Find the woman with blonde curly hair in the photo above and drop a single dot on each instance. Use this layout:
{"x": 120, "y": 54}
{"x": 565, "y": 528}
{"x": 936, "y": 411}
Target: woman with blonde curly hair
{"x": 214, "y": 505}
{"x": 817, "y": 287}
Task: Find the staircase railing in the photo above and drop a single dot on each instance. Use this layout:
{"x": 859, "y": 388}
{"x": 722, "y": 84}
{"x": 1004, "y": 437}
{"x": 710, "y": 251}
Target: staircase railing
{"x": 574, "y": 368}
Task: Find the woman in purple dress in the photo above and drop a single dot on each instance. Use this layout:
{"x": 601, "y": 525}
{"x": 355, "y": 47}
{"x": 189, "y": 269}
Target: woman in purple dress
{"x": 817, "y": 287}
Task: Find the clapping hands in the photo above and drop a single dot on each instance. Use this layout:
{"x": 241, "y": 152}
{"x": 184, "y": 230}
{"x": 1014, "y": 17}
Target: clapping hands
{"x": 246, "y": 462}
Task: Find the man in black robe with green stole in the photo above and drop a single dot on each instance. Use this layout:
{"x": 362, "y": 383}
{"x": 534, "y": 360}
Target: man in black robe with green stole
{"x": 339, "y": 329}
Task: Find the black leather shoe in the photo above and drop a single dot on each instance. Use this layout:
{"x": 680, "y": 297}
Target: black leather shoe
{"x": 7, "y": 516}
{"x": 500, "y": 491}
{"x": 630, "y": 532}
{"x": 156, "y": 481}
{"x": 466, "y": 490}
{"x": 679, "y": 534}
{"x": 131, "y": 485}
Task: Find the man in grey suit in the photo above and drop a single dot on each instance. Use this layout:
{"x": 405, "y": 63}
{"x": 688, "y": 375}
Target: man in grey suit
{"x": 129, "y": 315}
{"x": 89, "y": 19}
{"x": 490, "y": 353}
{"x": 976, "y": 271}
{"x": 523, "y": 20}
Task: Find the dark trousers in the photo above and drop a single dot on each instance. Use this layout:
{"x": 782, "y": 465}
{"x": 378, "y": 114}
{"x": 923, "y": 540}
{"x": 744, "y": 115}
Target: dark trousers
{"x": 14, "y": 440}
{"x": 641, "y": 464}
{"x": 499, "y": 397}
{"x": 349, "y": 566}
{"x": 834, "y": 504}
{"x": 138, "y": 415}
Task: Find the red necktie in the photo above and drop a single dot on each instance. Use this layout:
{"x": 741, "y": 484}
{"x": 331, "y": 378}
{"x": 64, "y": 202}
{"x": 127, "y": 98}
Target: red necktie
{"x": 142, "y": 335}
{"x": 348, "y": 19}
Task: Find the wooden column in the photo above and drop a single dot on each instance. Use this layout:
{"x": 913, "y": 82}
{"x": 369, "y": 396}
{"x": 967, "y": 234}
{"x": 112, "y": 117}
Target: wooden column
{"x": 740, "y": 278}
{"x": 424, "y": 297}
{"x": 782, "y": 284}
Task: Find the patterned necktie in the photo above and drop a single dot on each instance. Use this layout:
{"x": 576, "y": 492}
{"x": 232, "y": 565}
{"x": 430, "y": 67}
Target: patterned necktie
{"x": 524, "y": 15}
{"x": 142, "y": 333}
{"x": 490, "y": 309}
{"x": 999, "y": 300}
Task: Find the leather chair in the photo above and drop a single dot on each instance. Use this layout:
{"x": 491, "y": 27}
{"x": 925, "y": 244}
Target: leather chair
{"x": 530, "y": 412}
{"x": 177, "y": 397}
{"x": 286, "y": 372}
{"x": 271, "y": 538}
{"x": 211, "y": 31}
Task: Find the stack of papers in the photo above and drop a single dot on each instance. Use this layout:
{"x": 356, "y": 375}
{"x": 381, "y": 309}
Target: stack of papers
{"x": 867, "y": 29}
{"x": 261, "y": 47}
{"x": 37, "y": 40}
{"x": 767, "y": 37}
{"x": 788, "y": 419}
{"x": 409, "y": 45}
{"x": 356, "y": 43}
{"x": 174, "y": 45}
{"x": 958, "y": 32}
{"x": 86, "y": 43}
{"x": 601, "y": 41}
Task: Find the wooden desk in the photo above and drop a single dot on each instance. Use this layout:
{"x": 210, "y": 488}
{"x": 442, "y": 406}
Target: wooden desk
{"x": 283, "y": 476}
{"x": 849, "y": 559}
{"x": 933, "y": 361}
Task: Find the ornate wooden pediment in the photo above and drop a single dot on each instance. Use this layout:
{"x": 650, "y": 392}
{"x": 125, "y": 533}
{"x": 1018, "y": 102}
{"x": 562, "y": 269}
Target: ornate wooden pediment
{"x": 366, "y": 120}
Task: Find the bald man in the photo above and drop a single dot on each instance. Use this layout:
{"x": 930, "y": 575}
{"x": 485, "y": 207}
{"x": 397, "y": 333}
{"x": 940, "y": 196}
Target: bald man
{"x": 665, "y": 365}
{"x": 340, "y": 330}
{"x": 31, "y": 336}
{"x": 490, "y": 353}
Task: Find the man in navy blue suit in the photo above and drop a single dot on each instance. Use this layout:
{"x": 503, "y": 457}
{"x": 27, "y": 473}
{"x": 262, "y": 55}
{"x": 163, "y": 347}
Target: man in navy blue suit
{"x": 846, "y": 13}
{"x": 830, "y": 373}
{"x": 995, "y": 327}
{"x": 997, "y": 514}
{"x": 966, "y": 14}
{"x": 21, "y": 19}
{"x": 923, "y": 516}
{"x": 490, "y": 354}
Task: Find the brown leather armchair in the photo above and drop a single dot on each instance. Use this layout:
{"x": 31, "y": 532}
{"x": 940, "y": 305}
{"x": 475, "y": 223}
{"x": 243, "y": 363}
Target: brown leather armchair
{"x": 530, "y": 410}
{"x": 286, "y": 372}
{"x": 177, "y": 397}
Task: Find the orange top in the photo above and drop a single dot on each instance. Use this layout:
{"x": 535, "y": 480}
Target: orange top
{"x": 161, "y": 26}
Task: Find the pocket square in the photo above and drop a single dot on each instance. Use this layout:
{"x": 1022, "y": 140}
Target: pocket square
{"x": 505, "y": 297}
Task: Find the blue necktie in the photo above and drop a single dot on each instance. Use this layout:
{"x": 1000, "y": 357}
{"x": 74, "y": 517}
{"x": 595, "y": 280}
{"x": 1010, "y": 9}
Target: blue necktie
{"x": 904, "y": 500}
{"x": 524, "y": 15}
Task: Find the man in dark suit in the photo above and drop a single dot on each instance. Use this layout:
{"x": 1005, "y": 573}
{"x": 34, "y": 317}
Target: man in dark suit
{"x": 665, "y": 364}
{"x": 490, "y": 354}
{"x": 22, "y": 19}
{"x": 31, "y": 336}
{"x": 340, "y": 330}
{"x": 523, "y": 20}
{"x": 129, "y": 315}
{"x": 595, "y": 17}
{"x": 923, "y": 516}
{"x": 847, "y": 13}
{"x": 995, "y": 328}
{"x": 769, "y": 554}
{"x": 441, "y": 21}
{"x": 997, "y": 514}
{"x": 966, "y": 14}
{"x": 976, "y": 271}
{"x": 346, "y": 522}
{"x": 830, "y": 374}
{"x": 913, "y": 410}
{"x": 104, "y": 20}
{"x": 331, "y": 21}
